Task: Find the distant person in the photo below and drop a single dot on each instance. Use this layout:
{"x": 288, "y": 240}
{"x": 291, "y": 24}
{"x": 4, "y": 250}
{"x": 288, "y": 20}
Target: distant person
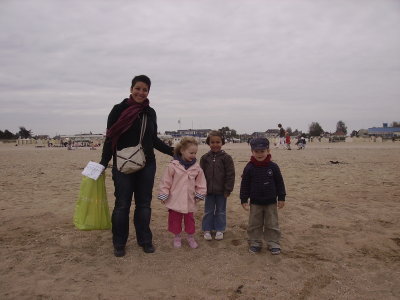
{"x": 263, "y": 184}
{"x": 219, "y": 170}
{"x": 281, "y": 136}
{"x": 123, "y": 130}
{"x": 301, "y": 143}
{"x": 287, "y": 140}
{"x": 181, "y": 186}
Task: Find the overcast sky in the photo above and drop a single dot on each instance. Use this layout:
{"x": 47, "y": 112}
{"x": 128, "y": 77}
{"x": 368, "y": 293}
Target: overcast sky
{"x": 246, "y": 64}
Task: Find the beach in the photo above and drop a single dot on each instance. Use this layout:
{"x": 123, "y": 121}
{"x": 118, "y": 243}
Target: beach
{"x": 340, "y": 232}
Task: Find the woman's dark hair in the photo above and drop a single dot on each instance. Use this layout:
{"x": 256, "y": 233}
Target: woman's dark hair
{"x": 141, "y": 78}
{"x": 215, "y": 133}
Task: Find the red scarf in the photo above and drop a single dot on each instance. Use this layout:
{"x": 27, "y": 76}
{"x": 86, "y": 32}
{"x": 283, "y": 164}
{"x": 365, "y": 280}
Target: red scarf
{"x": 125, "y": 120}
{"x": 263, "y": 163}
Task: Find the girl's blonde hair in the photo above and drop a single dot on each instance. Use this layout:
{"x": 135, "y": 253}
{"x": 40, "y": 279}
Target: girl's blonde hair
{"x": 184, "y": 143}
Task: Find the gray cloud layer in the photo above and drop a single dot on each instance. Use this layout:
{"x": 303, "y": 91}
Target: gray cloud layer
{"x": 243, "y": 64}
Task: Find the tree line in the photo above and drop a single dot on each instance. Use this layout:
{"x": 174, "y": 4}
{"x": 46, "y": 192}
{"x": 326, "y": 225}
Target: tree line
{"x": 314, "y": 129}
{"x": 22, "y": 133}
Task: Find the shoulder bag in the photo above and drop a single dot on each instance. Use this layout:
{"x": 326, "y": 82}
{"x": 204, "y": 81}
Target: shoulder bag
{"x": 132, "y": 159}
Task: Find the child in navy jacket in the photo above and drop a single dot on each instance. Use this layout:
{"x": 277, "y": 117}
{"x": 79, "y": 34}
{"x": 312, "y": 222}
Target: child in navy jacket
{"x": 263, "y": 184}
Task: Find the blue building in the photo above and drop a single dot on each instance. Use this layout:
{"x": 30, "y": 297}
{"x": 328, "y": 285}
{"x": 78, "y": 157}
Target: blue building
{"x": 385, "y": 131}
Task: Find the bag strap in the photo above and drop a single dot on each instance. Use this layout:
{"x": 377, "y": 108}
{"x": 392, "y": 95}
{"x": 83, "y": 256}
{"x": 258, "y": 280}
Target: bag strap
{"x": 143, "y": 129}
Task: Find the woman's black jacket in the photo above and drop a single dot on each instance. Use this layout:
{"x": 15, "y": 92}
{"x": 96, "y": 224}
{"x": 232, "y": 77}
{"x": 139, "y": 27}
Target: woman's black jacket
{"x": 131, "y": 137}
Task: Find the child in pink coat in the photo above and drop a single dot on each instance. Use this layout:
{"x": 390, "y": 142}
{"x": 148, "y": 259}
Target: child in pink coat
{"x": 181, "y": 186}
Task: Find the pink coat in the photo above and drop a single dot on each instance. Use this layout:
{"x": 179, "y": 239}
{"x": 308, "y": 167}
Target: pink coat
{"x": 179, "y": 187}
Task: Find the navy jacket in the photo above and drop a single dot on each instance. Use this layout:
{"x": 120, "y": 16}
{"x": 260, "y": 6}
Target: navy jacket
{"x": 262, "y": 184}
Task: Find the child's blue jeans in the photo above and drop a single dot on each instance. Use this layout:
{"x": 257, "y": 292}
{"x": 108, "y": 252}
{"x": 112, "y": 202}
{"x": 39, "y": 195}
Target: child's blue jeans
{"x": 214, "y": 213}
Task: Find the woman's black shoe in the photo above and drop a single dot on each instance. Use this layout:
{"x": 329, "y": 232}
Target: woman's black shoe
{"x": 148, "y": 248}
{"x": 119, "y": 251}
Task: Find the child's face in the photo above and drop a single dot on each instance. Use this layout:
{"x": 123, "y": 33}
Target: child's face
{"x": 260, "y": 155}
{"x": 215, "y": 143}
{"x": 189, "y": 153}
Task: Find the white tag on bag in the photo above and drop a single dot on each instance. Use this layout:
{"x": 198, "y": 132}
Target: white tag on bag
{"x": 93, "y": 170}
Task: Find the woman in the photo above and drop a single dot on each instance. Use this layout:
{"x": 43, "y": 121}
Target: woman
{"x": 123, "y": 130}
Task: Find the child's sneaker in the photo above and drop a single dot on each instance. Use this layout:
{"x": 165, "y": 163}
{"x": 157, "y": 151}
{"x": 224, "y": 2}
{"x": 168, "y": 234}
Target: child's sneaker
{"x": 275, "y": 251}
{"x": 219, "y": 235}
{"x": 177, "y": 242}
{"x": 207, "y": 236}
{"x": 192, "y": 243}
{"x": 254, "y": 249}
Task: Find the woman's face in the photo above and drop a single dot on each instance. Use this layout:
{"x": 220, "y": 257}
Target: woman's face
{"x": 139, "y": 92}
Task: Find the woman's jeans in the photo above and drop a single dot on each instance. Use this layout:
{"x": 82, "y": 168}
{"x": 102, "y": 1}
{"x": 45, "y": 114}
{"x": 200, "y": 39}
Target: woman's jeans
{"x": 140, "y": 185}
{"x": 214, "y": 213}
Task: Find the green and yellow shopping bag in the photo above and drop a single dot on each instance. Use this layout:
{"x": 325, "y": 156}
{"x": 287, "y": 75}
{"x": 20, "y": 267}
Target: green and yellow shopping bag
{"x": 91, "y": 209}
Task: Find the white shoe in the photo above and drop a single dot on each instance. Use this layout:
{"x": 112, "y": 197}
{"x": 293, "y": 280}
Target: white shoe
{"x": 207, "y": 236}
{"x": 219, "y": 235}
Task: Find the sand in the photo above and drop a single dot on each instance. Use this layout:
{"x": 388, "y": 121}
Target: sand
{"x": 340, "y": 227}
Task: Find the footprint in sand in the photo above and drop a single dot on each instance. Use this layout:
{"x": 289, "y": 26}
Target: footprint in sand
{"x": 236, "y": 242}
{"x": 319, "y": 226}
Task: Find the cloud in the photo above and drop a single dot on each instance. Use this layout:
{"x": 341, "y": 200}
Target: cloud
{"x": 244, "y": 64}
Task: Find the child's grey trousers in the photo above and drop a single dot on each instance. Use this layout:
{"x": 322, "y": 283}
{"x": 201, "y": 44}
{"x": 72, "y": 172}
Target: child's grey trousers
{"x": 263, "y": 223}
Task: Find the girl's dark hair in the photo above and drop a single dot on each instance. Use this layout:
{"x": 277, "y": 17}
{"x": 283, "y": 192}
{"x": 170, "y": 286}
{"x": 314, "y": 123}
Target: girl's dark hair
{"x": 141, "y": 78}
{"x": 215, "y": 133}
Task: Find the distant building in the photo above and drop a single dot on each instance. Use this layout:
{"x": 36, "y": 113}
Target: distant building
{"x": 84, "y": 139}
{"x": 338, "y": 136}
{"x": 339, "y": 133}
{"x": 189, "y": 132}
{"x": 362, "y": 133}
{"x": 42, "y": 137}
{"x": 259, "y": 134}
{"x": 171, "y": 133}
{"x": 384, "y": 131}
{"x": 272, "y": 133}
{"x": 245, "y": 137}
